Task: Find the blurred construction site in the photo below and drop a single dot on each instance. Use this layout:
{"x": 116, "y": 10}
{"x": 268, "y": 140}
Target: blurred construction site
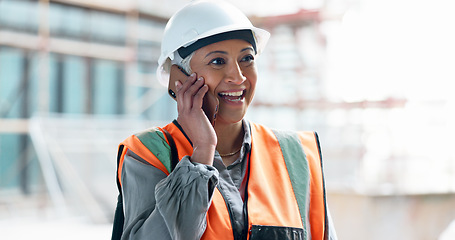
{"x": 374, "y": 78}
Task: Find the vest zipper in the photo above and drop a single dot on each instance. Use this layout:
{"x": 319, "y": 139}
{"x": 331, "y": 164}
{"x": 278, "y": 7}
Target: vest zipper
{"x": 231, "y": 216}
{"x": 244, "y": 233}
{"x": 246, "y": 224}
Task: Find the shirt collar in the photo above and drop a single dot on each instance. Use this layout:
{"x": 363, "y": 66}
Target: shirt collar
{"x": 246, "y": 145}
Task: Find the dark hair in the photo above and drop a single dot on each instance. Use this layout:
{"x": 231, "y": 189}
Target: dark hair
{"x": 245, "y": 34}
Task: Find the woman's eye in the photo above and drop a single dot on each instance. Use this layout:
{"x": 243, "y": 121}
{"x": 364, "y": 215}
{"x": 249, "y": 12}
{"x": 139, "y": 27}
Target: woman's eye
{"x": 218, "y": 61}
{"x": 248, "y": 58}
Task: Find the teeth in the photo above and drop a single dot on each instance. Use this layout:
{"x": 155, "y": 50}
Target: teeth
{"x": 232, "y": 94}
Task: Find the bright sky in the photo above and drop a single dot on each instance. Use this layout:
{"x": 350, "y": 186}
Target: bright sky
{"x": 403, "y": 48}
{"x": 275, "y": 7}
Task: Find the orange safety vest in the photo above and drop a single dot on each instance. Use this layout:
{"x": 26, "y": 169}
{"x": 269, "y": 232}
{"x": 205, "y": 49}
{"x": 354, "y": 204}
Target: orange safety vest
{"x": 285, "y": 185}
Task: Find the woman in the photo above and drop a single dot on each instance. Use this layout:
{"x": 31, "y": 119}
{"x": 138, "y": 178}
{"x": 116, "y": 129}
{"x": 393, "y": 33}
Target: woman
{"x": 234, "y": 179}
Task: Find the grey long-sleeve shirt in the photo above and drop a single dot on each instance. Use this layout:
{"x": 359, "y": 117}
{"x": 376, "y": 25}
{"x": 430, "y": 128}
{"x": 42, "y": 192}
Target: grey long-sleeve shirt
{"x": 164, "y": 207}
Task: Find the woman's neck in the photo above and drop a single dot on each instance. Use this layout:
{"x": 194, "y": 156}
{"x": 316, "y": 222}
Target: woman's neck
{"x": 230, "y": 137}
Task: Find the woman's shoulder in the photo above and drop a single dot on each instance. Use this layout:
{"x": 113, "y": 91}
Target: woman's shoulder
{"x": 262, "y": 127}
{"x": 152, "y": 133}
{"x": 283, "y": 133}
{"x": 149, "y": 145}
{"x": 151, "y": 138}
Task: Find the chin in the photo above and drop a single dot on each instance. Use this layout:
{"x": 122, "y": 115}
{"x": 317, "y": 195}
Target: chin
{"x": 230, "y": 118}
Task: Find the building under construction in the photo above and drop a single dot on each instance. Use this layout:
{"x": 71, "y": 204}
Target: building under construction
{"x": 78, "y": 76}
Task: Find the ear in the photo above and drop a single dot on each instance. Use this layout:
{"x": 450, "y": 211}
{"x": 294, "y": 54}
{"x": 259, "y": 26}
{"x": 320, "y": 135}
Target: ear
{"x": 177, "y": 74}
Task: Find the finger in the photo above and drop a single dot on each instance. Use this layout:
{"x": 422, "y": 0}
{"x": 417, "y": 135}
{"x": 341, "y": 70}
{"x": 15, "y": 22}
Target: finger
{"x": 189, "y": 95}
{"x": 199, "y": 97}
{"x": 185, "y": 85}
{"x": 192, "y": 90}
{"x": 178, "y": 85}
{"x": 210, "y": 106}
{"x": 178, "y": 88}
{"x": 182, "y": 101}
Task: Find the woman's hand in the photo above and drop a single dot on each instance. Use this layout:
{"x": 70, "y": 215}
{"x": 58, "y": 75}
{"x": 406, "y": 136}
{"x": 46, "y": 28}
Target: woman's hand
{"x": 190, "y": 100}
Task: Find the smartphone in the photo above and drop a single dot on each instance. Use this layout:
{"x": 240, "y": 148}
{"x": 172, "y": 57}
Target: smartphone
{"x": 177, "y": 73}
{"x": 210, "y": 103}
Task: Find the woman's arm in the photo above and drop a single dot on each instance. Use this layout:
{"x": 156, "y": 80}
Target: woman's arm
{"x": 157, "y": 206}
{"x": 192, "y": 118}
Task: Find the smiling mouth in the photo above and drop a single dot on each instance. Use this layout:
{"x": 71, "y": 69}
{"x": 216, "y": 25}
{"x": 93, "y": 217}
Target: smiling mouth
{"x": 233, "y": 96}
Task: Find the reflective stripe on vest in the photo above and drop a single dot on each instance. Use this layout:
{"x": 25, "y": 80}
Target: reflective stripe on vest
{"x": 283, "y": 182}
{"x": 271, "y": 198}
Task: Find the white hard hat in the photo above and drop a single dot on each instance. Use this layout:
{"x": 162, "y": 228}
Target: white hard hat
{"x": 198, "y": 20}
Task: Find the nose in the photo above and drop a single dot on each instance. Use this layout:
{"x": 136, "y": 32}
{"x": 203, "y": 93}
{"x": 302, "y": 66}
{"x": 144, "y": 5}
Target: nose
{"x": 235, "y": 74}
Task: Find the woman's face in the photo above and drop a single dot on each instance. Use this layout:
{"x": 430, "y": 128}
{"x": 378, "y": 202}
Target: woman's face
{"x": 229, "y": 70}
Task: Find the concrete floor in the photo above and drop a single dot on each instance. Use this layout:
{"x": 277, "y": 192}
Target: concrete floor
{"x": 356, "y": 217}
{"x": 400, "y": 217}
{"x": 33, "y": 217}
{"x": 67, "y": 229}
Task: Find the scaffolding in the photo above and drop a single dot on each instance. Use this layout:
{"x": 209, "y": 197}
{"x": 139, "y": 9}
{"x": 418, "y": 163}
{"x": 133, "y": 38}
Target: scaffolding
{"x": 76, "y": 152}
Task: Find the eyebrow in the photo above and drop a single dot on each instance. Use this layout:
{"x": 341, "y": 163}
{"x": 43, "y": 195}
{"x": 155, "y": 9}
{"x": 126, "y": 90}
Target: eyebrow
{"x": 224, "y": 52}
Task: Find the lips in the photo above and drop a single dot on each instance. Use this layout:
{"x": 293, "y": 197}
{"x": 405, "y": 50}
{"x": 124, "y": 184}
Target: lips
{"x": 233, "y": 96}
